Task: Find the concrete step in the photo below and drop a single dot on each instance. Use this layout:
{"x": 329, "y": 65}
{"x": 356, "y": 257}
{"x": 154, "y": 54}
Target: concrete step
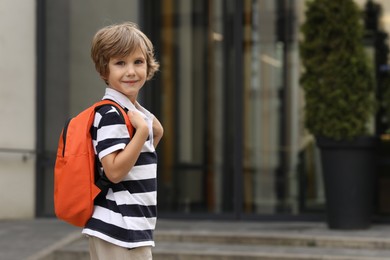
{"x": 273, "y": 239}
{"x": 192, "y": 244}
{"x": 195, "y": 251}
{"x": 211, "y": 251}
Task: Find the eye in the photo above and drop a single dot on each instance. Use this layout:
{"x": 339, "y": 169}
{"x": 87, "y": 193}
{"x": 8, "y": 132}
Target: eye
{"x": 120, "y": 63}
{"x": 139, "y": 61}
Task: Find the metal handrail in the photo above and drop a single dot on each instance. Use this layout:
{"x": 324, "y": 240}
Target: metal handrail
{"x": 26, "y": 153}
{"x": 17, "y": 150}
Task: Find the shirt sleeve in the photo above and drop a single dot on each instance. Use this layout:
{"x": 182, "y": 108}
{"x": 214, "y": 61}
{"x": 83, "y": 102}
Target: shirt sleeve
{"x": 111, "y": 134}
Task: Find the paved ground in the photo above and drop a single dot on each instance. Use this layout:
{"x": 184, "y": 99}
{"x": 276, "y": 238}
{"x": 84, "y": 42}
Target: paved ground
{"x": 21, "y": 239}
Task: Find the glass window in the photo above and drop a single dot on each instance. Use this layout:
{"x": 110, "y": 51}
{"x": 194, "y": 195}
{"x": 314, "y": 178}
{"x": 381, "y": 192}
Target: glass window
{"x": 274, "y": 145}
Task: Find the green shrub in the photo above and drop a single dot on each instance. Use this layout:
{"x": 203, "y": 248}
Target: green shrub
{"x": 337, "y": 78}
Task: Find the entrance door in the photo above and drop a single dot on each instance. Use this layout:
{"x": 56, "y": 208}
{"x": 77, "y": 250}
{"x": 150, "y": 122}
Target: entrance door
{"x": 200, "y": 104}
{"x": 230, "y": 105}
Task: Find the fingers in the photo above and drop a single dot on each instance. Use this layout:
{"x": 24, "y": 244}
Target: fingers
{"x": 136, "y": 119}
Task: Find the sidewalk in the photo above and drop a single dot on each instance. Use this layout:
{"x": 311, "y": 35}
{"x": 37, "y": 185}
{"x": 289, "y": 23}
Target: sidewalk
{"x": 21, "y": 239}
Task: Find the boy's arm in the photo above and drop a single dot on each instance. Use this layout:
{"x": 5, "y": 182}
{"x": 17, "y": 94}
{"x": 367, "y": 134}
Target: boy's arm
{"x": 117, "y": 165}
{"x": 158, "y": 131}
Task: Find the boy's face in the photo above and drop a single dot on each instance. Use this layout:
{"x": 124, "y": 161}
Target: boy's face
{"x": 128, "y": 74}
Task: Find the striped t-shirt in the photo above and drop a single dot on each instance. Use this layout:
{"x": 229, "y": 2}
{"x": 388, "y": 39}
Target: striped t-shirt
{"x": 126, "y": 214}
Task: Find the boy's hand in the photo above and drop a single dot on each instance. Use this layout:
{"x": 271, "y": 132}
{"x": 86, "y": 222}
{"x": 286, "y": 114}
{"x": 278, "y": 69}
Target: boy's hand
{"x": 118, "y": 164}
{"x": 138, "y": 121}
{"x": 158, "y": 131}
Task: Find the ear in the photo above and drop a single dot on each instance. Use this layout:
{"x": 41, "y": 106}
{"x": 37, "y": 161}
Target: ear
{"x": 104, "y": 79}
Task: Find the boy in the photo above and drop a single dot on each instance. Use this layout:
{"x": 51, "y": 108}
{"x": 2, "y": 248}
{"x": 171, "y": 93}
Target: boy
{"x": 124, "y": 217}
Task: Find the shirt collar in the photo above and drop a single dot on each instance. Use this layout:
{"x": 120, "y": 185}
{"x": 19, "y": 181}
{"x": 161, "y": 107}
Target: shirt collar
{"x": 125, "y": 102}
{"x": 119, "y": 98}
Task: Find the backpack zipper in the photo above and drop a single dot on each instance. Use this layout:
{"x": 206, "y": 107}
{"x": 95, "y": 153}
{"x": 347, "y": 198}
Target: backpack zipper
{"x": 64, "y": 135}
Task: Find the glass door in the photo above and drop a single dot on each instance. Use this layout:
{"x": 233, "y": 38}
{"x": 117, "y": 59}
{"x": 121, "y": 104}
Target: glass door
{"x": 195, "y": 45}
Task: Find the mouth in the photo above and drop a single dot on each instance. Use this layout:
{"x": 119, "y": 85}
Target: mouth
{"x": 130, "y": 81}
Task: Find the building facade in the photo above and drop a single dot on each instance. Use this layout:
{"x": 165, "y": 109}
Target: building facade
{"x": 227, "y": 94}
{"x": 18, "y": 102}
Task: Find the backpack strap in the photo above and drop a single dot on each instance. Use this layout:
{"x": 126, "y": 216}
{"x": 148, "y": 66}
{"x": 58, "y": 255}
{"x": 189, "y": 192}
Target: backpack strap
{"x": 101, "y": 180}
{"x": 122, "y": 111}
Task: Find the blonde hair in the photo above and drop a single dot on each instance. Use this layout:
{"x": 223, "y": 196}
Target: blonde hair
{"x": 120, "y": 40}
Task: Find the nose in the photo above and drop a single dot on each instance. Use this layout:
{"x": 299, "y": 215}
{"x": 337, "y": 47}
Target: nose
{"x": 130, "y": 70}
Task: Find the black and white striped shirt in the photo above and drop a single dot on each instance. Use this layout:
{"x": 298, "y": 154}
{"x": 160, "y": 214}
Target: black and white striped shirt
{"x": 126, "y": 214}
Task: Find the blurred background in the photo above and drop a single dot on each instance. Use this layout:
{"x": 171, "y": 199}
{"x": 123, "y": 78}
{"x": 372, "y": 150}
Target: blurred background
{"x": 227, "y": 94}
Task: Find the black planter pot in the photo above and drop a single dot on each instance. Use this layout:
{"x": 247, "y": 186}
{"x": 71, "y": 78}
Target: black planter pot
{"x": 348, "y": 171}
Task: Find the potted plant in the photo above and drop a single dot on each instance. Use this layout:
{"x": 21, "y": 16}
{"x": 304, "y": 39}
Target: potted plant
{"x": 339, "y": 105}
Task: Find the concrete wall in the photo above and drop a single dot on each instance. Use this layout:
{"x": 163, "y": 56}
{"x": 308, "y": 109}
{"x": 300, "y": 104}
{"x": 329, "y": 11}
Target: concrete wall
{"x": 71, "y": 75}
{"x": 17, "y": 108}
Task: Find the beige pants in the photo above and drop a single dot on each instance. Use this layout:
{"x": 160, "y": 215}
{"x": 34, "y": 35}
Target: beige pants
{"x": 102, "y": 250}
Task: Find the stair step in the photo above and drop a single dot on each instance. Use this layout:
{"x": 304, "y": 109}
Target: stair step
{"x": 194, "y": 251}
{"x": 248, "y": 241}
{"x": 273, "y": 239}
{"x": 207, "y": 251}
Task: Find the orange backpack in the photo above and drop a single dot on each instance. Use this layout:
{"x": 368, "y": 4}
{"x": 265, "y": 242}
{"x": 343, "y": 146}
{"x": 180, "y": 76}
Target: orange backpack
{"x": 75, "y": 168}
